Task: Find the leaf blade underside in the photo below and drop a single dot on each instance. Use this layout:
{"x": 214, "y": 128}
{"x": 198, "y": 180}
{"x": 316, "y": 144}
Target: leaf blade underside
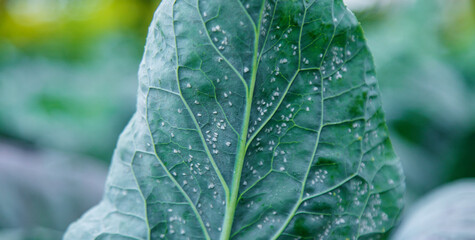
{"x": 255, "y": 119}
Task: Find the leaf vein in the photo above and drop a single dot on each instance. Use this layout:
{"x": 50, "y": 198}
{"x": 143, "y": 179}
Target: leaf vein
{"x": 217, "y": 50}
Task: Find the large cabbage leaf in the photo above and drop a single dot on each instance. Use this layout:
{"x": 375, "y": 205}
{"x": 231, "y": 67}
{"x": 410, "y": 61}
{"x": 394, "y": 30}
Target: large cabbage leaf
{"x": 256, "y": 119}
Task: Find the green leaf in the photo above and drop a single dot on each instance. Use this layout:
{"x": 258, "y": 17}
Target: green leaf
{"x": 255, "y": 119}
{"x": 446, "y": 213}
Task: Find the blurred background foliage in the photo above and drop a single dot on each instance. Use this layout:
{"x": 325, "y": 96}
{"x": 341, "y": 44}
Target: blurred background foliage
{"x": 68, "y": 70}
{"x": 68, "y": 78}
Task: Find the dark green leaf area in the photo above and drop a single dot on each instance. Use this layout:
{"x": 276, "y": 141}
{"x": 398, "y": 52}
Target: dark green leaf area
{"x": 256, "y": 119}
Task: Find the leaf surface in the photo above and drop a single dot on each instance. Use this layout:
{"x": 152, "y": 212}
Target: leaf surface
{"x": 256, "y": 119}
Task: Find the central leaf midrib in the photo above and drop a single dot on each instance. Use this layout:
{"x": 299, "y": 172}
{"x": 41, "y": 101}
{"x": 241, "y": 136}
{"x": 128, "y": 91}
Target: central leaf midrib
{"x": 234, "y": 190}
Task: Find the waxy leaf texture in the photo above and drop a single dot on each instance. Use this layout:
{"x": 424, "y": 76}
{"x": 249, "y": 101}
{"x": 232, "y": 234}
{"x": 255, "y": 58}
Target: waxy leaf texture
{"x": 256, "y": 119}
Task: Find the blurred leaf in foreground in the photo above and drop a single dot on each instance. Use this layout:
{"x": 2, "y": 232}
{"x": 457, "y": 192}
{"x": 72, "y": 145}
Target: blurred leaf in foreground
{"x": 448, "y": 213}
